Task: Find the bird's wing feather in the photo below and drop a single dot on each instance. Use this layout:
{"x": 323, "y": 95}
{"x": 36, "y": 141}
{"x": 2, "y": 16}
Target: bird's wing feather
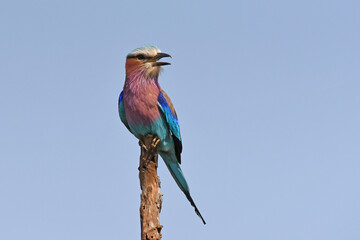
{"x": 122, "y": 111}
{"x": 167, "y": 108}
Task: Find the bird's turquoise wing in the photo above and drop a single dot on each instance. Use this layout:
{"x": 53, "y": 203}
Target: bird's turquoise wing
{"x": 168, "y": 110}
{"x": 122, "y": 110}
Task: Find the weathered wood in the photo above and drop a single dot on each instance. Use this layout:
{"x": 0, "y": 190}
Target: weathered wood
{"x": 151, "y": 197}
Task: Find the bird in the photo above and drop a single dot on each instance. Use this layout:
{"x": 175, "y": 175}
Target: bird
{"x": 145, "y": 108}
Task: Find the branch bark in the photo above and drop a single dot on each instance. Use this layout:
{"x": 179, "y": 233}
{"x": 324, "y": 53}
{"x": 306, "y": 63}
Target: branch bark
{"x": 151, "y": 197}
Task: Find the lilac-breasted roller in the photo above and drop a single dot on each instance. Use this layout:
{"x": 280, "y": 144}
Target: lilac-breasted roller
{"x": 145, "y": 108}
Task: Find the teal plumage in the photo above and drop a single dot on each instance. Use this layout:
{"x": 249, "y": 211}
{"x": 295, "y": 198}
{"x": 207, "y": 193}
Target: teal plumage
{"x": 145, "y": 108}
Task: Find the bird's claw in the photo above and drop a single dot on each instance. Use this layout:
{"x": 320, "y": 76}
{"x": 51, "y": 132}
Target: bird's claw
{"x": 155, "y": 142}
{"x": 141, "y": 144}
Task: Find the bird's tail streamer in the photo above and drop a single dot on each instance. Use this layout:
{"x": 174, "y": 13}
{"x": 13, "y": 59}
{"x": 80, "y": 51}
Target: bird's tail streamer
{"x": 175, "y": 170}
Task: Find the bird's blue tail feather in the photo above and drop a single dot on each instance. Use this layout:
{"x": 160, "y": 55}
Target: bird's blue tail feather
{"x": 175, "y": 170}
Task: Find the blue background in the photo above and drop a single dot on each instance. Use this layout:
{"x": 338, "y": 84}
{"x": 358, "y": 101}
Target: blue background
{"x": 267, "y": 94}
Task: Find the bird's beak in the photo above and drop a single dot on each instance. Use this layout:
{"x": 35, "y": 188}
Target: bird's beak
{"x": 157, "y": 57}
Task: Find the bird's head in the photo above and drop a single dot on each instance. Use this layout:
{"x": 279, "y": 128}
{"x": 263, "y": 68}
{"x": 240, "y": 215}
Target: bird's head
{"x": 144, "y": 61}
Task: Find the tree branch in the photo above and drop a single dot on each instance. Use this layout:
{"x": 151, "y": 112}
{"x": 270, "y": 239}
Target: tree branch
{"x": 151, "y": 197}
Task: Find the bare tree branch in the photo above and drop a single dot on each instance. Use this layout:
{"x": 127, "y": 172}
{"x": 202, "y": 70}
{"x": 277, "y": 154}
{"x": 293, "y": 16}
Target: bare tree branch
{"x": 151, "y": 197}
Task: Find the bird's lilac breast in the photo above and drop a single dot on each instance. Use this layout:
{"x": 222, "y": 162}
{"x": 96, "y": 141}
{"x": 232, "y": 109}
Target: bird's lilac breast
{"x": 140, "y": 103}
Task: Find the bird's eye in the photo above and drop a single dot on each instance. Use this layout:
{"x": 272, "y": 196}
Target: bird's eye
{"x": 141, "y": 57}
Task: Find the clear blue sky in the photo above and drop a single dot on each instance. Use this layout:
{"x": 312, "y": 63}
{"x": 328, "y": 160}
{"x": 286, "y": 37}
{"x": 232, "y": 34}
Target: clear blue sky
{"x": 268, "y": 98}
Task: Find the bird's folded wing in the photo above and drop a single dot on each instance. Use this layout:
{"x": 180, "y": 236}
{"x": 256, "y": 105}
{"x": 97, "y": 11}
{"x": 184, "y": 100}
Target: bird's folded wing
{"x": 167, "y": 108}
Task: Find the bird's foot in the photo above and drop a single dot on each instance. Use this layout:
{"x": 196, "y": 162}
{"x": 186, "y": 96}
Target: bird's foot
{"x": 141, "y": 144}
{"x": 155, "y": 142}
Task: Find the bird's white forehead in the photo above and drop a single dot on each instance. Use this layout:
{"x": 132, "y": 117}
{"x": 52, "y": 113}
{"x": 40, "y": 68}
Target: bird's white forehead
{"x": 149, "y": 51}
